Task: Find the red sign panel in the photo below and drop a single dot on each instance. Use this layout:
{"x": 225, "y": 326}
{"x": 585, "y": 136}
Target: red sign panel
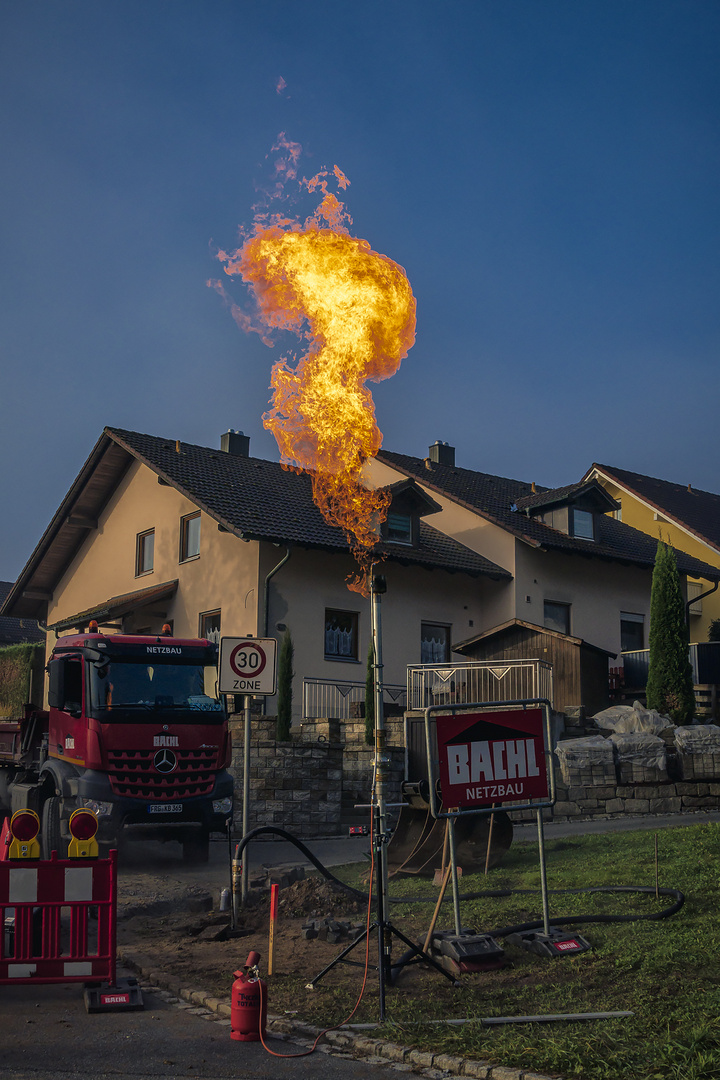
{"x": 491, "y": 758}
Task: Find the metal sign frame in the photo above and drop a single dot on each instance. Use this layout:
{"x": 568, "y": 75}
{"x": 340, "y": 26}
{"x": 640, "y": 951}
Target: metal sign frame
{"x": 451, "y": 814}
{"x": 488, "y": 706}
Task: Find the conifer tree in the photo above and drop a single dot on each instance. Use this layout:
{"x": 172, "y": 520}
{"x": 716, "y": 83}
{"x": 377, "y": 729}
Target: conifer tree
{"x": 670, "y": 683}
{"x": 285, "y": 689}
{"x": 370, "y": 697}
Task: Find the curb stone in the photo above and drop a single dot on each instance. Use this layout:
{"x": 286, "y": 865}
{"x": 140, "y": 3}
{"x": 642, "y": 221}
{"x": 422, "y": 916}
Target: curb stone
{"x": 404, "y": 1058}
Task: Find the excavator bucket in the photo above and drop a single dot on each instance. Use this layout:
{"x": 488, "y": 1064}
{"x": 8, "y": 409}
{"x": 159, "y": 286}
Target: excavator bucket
{"x": 418, "y": 843}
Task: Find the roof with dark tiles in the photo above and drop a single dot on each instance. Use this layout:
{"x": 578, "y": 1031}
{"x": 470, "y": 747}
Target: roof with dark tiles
{"x": 494, "y": 497}
{"x": 261, "y": 500}
{"x": 696, "y": 510}
{"x": 17, "y": 631}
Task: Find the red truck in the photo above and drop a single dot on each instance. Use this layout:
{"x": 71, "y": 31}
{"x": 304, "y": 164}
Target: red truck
{"x": 135, "y": 730}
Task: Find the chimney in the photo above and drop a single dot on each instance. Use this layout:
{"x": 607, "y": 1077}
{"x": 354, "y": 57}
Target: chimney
{"x": 234, "y": 442}
{"x": 442, "y": 453}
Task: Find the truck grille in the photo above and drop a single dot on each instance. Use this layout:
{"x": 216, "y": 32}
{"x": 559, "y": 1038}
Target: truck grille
{"x": 133, "y": 775}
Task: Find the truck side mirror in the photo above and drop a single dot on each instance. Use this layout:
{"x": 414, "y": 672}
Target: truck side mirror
{"x": 56, "y": 692}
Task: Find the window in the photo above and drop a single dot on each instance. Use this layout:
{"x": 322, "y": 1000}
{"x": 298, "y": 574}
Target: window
{"x": 434, "y": 643}
{"x": 632, "y": 631}
{"x": 399, "y": 528}
{"x": 617, "y": 514}
{"x": 694, "y": 588}
{"x": 341, "y": 635}
{"x": 557, "y": 616}
{"x": 210, "y": 625}
{"x": 145, "y": 552}
{"x": 583, "y": 524}
{"x": 556, "y": 519}
{"x": 189, "y": 537}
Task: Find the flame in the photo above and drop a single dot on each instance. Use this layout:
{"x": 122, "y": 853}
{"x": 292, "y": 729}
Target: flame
{"x": 357, "y": 310}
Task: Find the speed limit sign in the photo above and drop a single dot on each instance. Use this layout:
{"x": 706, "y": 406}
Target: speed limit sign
{"x": 247, "y": 665}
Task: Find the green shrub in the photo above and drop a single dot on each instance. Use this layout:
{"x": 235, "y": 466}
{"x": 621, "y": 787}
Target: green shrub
{"x": 370, "y": 697}
{"x": 670, "y": 682}
{"x": 16, "y": 666}
{"x": 285, "y": 688}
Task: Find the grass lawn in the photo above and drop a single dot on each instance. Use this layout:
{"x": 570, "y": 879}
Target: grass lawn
{"x": 666, "y": 971}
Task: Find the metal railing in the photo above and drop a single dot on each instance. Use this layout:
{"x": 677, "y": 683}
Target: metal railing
{"x": 482, "y": 680}
{"x": 333, "y": 699}
{"x": 704, "y": 659}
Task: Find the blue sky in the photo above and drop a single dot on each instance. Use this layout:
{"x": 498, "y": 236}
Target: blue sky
{"x": 546, "y": 171}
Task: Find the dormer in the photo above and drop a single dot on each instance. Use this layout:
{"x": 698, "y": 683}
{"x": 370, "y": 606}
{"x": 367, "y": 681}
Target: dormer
{"x": 409, "y": 504}
{"x": 571, "y": 510}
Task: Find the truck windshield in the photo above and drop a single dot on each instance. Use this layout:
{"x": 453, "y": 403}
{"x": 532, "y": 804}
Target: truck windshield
{"x": 130, "y": 685}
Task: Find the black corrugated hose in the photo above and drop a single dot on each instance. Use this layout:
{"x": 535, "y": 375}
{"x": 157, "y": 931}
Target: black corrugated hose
{"x": 505, "y": 931}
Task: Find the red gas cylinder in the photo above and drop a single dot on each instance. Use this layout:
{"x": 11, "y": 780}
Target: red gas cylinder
{"x": 248, "y": 1012}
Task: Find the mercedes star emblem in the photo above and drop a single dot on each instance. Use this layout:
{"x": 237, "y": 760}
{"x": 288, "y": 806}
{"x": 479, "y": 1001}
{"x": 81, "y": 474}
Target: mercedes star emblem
{"x": 165, "y": 761}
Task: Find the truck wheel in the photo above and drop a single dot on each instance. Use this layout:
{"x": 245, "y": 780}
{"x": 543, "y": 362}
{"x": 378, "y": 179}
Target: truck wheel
{"x": 51, "y": 838}
{"x": 197, "y": 849}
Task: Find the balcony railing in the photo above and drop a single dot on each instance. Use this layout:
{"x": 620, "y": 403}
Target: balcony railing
{"x": 328, "y": 698}
{"x": 704, "y": 659}
{"x": 482, "y": 680}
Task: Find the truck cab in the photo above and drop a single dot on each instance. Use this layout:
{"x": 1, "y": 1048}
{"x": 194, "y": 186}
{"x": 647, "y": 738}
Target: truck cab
{"x": 136, "y": 731}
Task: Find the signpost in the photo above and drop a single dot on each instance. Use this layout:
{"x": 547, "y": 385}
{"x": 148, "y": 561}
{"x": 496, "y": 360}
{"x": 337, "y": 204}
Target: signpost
{"x": 247, "y": 666}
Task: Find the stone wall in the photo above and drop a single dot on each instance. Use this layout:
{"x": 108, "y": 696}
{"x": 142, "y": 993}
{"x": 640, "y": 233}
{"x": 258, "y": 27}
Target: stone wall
{"x": 311, "y": 784}
{"x": 294, "y": 785}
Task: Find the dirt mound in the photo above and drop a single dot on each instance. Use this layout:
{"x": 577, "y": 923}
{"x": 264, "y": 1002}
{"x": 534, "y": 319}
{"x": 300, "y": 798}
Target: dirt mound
{"x": 316, "y": 897}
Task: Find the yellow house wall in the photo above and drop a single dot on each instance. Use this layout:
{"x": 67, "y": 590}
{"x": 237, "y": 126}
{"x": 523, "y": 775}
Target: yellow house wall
{"x": 641, "y": 516}
{"x": 223, "y": 576}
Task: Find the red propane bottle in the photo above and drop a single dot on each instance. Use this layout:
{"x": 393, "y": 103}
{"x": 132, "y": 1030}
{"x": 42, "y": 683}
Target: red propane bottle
{"x": 248, "y": 1012}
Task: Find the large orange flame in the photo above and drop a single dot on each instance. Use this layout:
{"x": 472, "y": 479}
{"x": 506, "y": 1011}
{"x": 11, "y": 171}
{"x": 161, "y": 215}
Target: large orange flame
{"x": 357, "y": 310}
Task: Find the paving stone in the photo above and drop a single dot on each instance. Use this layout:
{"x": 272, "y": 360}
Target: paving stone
{"x": 449, "y": 1062}
{"x": 479, "y": 1070}
{"x": 395, "y": 1052}
{"x": 424, "y": 1058}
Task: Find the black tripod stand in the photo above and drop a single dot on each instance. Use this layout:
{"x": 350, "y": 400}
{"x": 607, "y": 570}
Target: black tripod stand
{"x": 380, "y": 836}
{"x": 385, "y": 929}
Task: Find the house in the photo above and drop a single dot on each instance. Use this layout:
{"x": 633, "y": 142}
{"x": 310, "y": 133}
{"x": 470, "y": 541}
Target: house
{"x": 17, "y": 631}
{"x": 575, "y": 569}
{"x": 683, "y": 516}
{"x": 216, "y": 542}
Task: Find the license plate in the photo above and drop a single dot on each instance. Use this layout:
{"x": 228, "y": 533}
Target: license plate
{"x": 165, "y": 808}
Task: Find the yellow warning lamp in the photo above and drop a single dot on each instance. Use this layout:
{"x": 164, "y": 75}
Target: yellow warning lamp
{"x": 24, "y": 827}
{"x": 83, "y": 825}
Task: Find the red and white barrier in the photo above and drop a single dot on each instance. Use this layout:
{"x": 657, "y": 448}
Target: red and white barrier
{"x": 58, "y": 920}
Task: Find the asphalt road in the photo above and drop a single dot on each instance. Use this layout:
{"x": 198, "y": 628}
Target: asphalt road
{"x": 47, "y": 1035}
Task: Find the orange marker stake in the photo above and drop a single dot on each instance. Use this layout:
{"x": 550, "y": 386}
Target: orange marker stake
{"x": 274, "y": 889}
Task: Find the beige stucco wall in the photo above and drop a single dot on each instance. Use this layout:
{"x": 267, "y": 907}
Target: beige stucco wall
{"x": 597, "y": 590}
{"x": 643, "y": 517}
{"x": 467, "y": 528}
{"x": 224, "y": 575}
{"x": 313, "y": 581}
